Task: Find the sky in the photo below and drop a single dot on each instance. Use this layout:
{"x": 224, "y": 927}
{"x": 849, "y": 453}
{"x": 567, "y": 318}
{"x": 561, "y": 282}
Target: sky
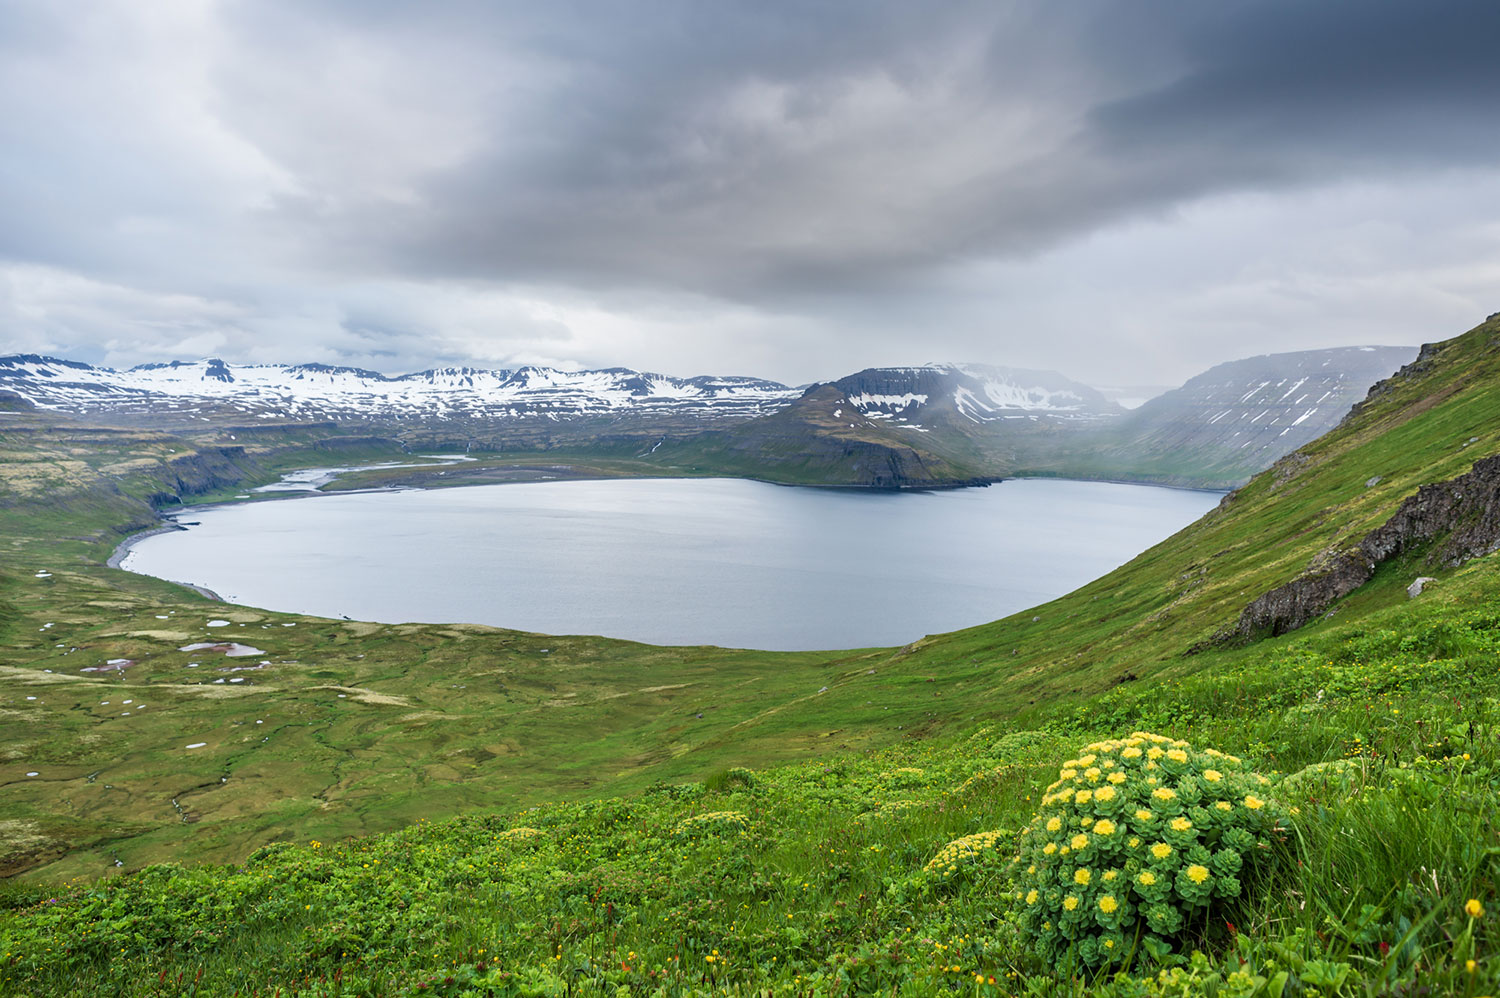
{"x": 1127, "y": 193}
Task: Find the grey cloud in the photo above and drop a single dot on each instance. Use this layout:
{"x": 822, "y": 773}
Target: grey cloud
{"x": 791, "y": 187}
{"x": 761, "y": 150}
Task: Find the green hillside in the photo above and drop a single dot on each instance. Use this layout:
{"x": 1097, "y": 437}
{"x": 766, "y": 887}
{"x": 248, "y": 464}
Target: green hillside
{"x": 818, "y": 885}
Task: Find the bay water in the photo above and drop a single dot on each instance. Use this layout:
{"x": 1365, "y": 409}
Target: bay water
{"x": 674, "y": 561}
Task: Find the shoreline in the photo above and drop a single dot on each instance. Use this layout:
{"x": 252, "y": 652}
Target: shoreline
{"x": 123, "y": 549}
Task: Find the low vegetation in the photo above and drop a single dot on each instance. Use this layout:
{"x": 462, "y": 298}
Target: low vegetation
{"x": 864, "y": 872}
{"x": 421, "y": 809}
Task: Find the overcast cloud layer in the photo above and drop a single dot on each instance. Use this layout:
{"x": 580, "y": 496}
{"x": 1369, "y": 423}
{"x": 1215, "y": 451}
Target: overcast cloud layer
{"x": 1124, "y": 192}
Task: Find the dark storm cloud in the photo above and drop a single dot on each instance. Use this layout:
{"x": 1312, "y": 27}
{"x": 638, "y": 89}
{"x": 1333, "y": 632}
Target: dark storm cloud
{"x": 751, "y": 150}
{"x": 1289, "y": 92}
{"x": 777, "y": 187}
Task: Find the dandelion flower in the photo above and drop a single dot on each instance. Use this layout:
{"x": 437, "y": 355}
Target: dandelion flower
{"x": 1474, "y": 908}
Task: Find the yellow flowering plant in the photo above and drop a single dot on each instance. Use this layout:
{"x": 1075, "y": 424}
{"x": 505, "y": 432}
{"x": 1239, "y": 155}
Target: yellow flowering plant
{"x": 709, "y": 824}
{"x": 1109, "y": 867}
{"x": 970, "y": 856}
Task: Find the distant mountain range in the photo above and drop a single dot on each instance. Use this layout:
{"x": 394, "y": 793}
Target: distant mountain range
{"x": 207, "y": 389}
{"x": 924, "y": 426}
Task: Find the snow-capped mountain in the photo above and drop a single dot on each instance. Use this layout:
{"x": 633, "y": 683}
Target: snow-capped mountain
{"x": 211, "y": 389}
{"x": 1234, "y": 419}
{"x": 977, "y": 394}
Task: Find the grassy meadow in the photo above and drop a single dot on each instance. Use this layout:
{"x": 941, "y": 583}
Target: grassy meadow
{"x": 452, "y": 809}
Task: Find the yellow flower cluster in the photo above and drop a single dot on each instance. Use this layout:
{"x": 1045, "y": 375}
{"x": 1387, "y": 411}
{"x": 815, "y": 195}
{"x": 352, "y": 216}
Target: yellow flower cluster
{"x": 519, "y": 834}
{"x": 969, "y": 849}
{"x": 713, "y": 823}
{"x": 1135, "y": 836}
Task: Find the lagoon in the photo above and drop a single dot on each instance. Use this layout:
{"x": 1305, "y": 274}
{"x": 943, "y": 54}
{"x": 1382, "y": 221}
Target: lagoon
{"x": 674, "y": 561}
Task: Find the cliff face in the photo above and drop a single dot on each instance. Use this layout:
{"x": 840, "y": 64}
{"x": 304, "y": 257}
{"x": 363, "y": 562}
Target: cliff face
{"x": 1459, "y": 519}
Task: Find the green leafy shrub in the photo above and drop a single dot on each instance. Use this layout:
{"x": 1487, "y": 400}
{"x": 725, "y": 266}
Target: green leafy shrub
{"x": 1134, "y": 844}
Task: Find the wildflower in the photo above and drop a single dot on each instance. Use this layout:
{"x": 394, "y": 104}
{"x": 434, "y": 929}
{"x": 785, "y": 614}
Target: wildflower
{"x": 1116, "y": 778}
{"x": 1164, "y": 793}
{"x": 1079, "y": 841}
{"x": 1181, "y": 824}
{"x": 1224, "y": 805}
{"x": 1070, "y": 902}
{"x": 1110, "y": 875}
{"x": 1474, "y": 908}
{"x": 1105, "y": 793}
{"x": 1082, "y": 876}
{"x": 1031, "y": 896}
{"x": 1212, "y": 775}
{"x": 1143, "y": 814}
{"x": 1177, "y": 755}
{"x": 1054, "y": 823}
{"x": 1197, "y": 874}
{"x": 1108, "y": 904}
{"x": 1254, "y": 803}
{"x": 1104, "y": 827}
{"x": 1083, "y": 797}
{"x": 1146, "y": 878}
{"x": 1130, "y": 753}
{"x": 1161, "y": 850}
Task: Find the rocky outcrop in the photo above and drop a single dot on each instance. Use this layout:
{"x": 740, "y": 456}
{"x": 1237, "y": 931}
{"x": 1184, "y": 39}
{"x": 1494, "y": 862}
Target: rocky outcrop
{"x": 1459, "y": 519}
{"x": 204, "y": 470}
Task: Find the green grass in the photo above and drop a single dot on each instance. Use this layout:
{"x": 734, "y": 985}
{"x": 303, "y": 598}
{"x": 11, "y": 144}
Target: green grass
{"x": 827, "y": 892}
{"x": 443, "y": 721}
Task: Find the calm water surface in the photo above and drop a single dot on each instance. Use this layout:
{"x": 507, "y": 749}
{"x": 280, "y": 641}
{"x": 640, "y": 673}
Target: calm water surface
{"x": 675, "y": 561}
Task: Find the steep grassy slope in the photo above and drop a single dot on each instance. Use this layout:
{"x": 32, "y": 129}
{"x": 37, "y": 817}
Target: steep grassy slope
{"x": 436, "y": 719}
{"x": 352, "y": 728}
{"x": 824, "y": 877}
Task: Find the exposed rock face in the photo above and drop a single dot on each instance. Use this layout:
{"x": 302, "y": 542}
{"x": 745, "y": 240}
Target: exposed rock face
{"x": 1415, "y": 589}
{"x": 1460, "y": 517}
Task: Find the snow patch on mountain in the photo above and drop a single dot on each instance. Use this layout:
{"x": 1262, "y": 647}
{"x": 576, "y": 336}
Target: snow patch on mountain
{"x": 320, "y": 391}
